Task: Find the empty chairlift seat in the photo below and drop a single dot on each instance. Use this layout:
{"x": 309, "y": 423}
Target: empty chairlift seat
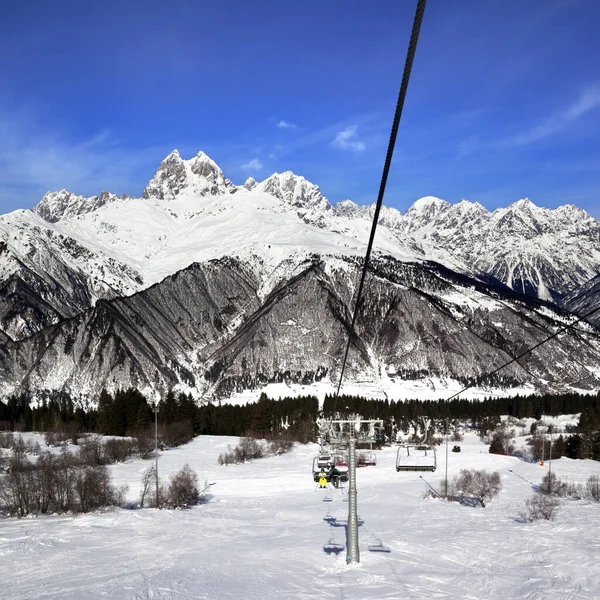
{"x": 366, "y": 459}
{"x": 416, "y": 457}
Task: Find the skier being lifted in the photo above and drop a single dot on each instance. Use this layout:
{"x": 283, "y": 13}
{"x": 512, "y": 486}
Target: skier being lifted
{"x": 322, "y": 478}
{"x": 334, "y": 476}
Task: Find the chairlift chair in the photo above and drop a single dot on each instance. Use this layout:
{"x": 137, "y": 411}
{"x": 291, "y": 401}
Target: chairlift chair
{"x": 366, "y": 459}
{"x": 340, "y": 462}
{"x": 417, "y": 457}
{"x": 331, "y": 547}
{"x": 321, "y": 462}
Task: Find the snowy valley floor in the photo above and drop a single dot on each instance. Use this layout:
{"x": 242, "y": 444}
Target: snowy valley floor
{"x": 264, "y": 534}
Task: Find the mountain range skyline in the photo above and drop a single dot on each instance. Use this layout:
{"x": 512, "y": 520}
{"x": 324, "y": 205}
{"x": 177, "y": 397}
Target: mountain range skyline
{"x": 251, "y": 181}
{"x": 221, "y": 289}
{"x": 308, "y": 88}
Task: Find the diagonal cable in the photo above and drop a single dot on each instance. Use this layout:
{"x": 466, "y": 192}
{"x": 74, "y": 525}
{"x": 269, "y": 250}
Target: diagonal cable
{"x": 412, "y": 47}
{"x": 516, "y": 358}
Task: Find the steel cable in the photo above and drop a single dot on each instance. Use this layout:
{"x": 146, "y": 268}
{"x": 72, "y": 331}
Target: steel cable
{"x": 410, "y": 55}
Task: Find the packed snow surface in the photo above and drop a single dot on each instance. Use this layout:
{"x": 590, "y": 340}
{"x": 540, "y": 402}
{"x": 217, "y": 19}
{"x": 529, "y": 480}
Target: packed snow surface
{"x": 266, "y": 533}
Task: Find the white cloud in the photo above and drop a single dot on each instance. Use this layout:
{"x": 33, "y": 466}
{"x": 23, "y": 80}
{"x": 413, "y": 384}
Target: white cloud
{"x": 34, "y": 159}
{"x": 286, "y": 125}
{"x": 345, "y": 139}
{"x": 253, "y": 165}
{"x": 587, "y": 101}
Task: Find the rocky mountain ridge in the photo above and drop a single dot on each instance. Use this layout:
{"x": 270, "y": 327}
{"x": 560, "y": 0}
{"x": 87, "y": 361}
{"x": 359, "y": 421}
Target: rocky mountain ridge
{"x": 89, "y": 294}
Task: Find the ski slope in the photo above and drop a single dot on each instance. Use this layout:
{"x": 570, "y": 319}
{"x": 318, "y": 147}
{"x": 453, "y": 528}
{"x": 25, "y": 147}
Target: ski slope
{"x": 265, "y": 531}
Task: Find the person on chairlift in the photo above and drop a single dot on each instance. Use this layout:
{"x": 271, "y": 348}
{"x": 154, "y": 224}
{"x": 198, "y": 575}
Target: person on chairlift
{"x": 334, "y": 476}
{"x": 322, "y": 478}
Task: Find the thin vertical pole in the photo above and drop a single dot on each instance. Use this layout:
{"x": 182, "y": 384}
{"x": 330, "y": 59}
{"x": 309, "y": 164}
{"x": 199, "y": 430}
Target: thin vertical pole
{"x": 550, "y": 460}
{"x": 353, "y": 555}
{"x": 155, "y": 409}
{"x": 446, "y": 482}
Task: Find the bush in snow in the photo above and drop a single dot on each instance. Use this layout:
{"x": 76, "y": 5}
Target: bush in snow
{"x": 119, "y": 450}
{"x": 247, "y": 449}
{"x": 540, "y": 506}
{"x": 183, "y": 489}
{"x": 552, "y": 485}
{"x": 592, "y": 487}
{"x": 55, "y": 484}
{"x": 148, "y": 496}
{"x": 457, "y": 435}
{"x": 501, "y": 441}
{"x": 12, "y": 441}
{"x": 481, "y": 485}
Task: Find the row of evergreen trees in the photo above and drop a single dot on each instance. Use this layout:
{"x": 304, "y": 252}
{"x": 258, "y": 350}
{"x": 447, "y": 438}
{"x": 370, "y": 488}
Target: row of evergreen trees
{"x": 129, "y": 411}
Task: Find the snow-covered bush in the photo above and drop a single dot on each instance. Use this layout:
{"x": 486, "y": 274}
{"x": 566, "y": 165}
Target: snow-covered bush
{"x": 16, "y": 442}
{"x": 183, "y": 489}
{"x": 481, "y": 485}
{"x": 540, "y": 506}
{"x": 592, "y": 487}
{"x": 501, "y": 441}
{"x": 55, "y": 484}
{"x": 250, "y": 449}
{"x": 457, "y": 435}
{"x": 552, "y": 485}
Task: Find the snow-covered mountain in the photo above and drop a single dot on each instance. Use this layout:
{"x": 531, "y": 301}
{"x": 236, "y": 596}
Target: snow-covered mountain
{"x": 536, "y": 251}
{"x": 585, "y": 300}
{"x": 82, "y": 283}
{"x": 209, "y": 330}
{"x": 55, "y": 206}
{"x": 198, "y": 176}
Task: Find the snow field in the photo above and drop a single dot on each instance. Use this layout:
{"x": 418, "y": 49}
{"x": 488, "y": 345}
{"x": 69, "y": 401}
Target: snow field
{"x": 263, "y": 535}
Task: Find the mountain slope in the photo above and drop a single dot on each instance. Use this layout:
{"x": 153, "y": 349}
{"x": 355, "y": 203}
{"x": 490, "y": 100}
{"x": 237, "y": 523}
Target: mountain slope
{"x": 207, "y": 330}
{"x": 215, "y": 287}
{"x": 536, "y": 251}
{"x": 585, "y": 300}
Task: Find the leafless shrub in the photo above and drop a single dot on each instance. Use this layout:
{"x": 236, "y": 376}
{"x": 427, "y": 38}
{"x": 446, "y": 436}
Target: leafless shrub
{"x": 91, "y": 451}
{"x": 554, "y": 486}
{"x": 148, "y": 497}
{"x": 226, "y": 458}
{"x": 280, "y": 446}
{"x": 55, "y": 484}
{"x": 592, "y": 487}
{"x": 457, "y": 436}
{"x": 119, "y": 450}
{"x": 17, "y": 443}
{"x": 144, "y": 441}
{"x": 481, "y": 485}
{"x": 148, "y": 484}
{"x": 540, "y": 506}
{"x": 57, "y": 438}
{"x": 6, "y": 438}
{"x": 183, "y": 489}
{"x": 249, "y": 448}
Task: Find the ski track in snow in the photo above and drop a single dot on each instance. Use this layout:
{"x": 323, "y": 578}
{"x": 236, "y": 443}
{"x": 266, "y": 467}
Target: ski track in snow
{"x": 263, "y": 532}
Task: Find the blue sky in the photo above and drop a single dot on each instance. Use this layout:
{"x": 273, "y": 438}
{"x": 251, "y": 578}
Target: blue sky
{"x": 504, "y": 100}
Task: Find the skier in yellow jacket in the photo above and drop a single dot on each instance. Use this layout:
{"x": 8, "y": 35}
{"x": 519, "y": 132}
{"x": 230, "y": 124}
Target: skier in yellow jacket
{"x": 322, "y": 478}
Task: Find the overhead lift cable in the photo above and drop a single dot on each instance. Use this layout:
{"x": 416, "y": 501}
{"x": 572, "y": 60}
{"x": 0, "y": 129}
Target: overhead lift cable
{"x": 412, "y": 47}
{"x": 485, "y": 376}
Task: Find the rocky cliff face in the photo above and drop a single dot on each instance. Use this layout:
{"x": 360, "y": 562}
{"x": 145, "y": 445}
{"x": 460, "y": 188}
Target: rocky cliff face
{"x": 207, "y": 330}
{"x": 198, "y": 176}
{"x": 217, "y": 288}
